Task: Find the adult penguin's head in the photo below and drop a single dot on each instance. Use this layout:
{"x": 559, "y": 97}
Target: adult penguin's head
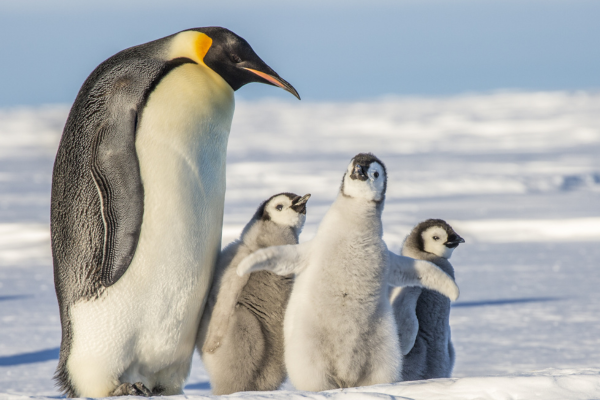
{"x": 231, "y": 57}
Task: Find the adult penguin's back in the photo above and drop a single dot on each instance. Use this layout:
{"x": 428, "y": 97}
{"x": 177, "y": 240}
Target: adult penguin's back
{"x": 137, "y": 205}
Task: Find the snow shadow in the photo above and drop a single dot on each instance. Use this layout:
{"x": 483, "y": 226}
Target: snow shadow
{"x": 198, "y": 386}
{"x": 484, "y": 303}
{"x": 15, "y": 297}
{"x": 30, "y": 358}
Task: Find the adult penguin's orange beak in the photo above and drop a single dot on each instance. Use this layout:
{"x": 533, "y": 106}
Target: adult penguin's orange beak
{"x": 275, "y": 81}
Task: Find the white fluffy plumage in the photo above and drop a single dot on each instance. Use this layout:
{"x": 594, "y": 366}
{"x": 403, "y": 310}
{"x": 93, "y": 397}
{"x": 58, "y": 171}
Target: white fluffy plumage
{"x": 339, "y": 327}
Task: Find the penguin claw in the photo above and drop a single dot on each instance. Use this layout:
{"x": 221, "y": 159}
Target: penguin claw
{"x": 142, "y": 389}
{"x": 128, "y": 389}
{"x": 125, "y": 389}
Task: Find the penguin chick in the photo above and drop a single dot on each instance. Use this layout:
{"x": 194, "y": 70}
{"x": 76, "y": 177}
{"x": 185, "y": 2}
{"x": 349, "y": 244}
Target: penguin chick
{"x": 241, "y": 332}
{"x": 339, "y": 328}
{"x": 423, "y": 315}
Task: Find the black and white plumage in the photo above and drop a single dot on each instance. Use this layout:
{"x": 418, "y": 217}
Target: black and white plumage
{"x": 241, "y": 332}
{"x": 423, "y": 315}
{"x": 137, "y": 203}
{"x": 339, "y": 328}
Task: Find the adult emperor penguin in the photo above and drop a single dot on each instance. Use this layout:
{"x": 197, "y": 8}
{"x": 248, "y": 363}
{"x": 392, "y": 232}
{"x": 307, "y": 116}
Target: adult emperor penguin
{"x": 339, "y": 328}
{"x": 423, "y": 315}
{"x": 241, "y": 331}
{"x": 137, "y": 207}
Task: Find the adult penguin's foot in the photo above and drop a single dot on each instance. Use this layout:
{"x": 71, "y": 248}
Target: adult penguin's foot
{"x": 128, "y": 389}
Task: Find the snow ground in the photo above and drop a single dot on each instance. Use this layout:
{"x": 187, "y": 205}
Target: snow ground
{"x": 516, "y": 174}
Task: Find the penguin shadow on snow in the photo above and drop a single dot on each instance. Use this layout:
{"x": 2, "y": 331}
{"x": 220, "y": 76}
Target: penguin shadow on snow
{"x": 198, "y": 386}
{"x": 30, "y": 358}
{"x": 16, "y": 297}
{"x": 485, "y": 303}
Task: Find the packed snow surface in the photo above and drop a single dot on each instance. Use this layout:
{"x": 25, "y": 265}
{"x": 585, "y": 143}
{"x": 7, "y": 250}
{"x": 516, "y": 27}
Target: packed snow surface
{"x": 516, "y": 174}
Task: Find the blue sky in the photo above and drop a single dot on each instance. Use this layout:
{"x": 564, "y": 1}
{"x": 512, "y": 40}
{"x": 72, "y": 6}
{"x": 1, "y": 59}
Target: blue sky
{"x": 335, "y": 50}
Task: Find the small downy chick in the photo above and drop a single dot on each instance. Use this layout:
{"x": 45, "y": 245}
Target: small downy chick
{"x": 339, "y": 327}
{"x": 241, "y": 332}
{"x": 422, "y": 315}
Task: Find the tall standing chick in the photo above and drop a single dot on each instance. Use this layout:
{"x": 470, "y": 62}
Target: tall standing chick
{"x": 339, "y": 328}
{"x": 137, "y": 207}
{"x": 241, "y": 332}
{"x": 422, "y": 315}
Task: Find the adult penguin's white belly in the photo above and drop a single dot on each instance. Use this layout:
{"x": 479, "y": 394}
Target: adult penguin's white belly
{"x": 152, "y": 322}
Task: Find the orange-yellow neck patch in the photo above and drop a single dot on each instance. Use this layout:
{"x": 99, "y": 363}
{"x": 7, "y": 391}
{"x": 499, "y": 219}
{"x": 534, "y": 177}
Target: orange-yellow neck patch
{"x": 190, "y": 44}
{"x": 203, "y": 43}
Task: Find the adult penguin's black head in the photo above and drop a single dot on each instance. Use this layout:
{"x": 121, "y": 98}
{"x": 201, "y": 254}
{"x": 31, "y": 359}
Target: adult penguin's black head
{"x": 235, "y": 61}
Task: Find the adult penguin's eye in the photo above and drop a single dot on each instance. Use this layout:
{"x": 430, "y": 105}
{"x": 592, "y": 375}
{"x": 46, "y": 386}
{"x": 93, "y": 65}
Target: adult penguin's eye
{"x": 279, "y": 207}
{"x": 235, "y": 58}
{"x": 376, "y": 174}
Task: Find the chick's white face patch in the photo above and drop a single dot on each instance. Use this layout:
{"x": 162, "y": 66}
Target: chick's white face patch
{"x": 433, "y": 242}
{"x": 280, "y": 212}
{"x": 372, "y": 189}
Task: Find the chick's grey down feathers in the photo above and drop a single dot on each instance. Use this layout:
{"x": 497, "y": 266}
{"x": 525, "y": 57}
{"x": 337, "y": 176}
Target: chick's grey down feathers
{"x": 432, "y": 355}
{"x": 339, "y": 327}
{"x": 241, "y": 332}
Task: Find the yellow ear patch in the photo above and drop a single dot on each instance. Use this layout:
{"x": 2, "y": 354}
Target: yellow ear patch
{"x": 203, "y": 43}
{"x": 190, "y": 44}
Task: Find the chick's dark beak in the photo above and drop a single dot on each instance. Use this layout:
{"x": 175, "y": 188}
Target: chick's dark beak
{"x": 275, "y": 81}
{"x": 453, "y": 241}
{"x": 299, "y": 204}
{"x": 358, "y": 173}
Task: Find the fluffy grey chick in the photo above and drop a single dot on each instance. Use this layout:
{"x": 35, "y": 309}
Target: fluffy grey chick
{"x": 339, "y": 327}
{"x": 241, "y": 331}
{"x": 423, "y": 315}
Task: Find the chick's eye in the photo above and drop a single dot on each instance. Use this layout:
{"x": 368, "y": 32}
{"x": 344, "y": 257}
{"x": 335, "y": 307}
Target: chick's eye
{"x": 235, "y": 58}
{"x": 279, "y": 207}
{"x": 436, "y": 238}
{"x": 376, "y": 174}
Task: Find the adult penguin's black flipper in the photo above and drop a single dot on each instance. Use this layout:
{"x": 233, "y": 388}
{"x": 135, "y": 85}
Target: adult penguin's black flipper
{"x": 116, "y": 172}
